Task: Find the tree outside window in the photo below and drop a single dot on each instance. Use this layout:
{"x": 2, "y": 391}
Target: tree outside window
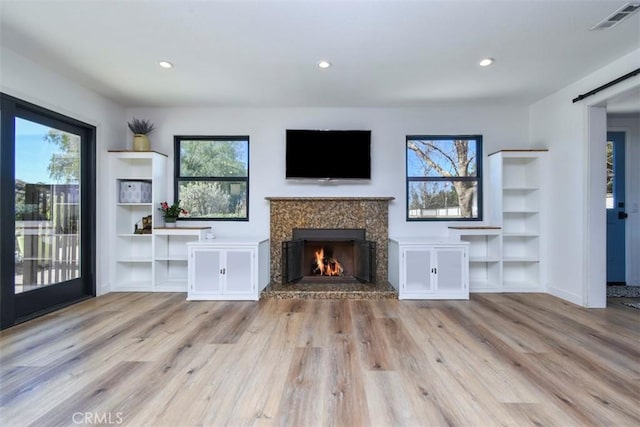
{"x": 444, "y": 177}
{"x": 610, "y": 173}
{"x": 212, "y": 176}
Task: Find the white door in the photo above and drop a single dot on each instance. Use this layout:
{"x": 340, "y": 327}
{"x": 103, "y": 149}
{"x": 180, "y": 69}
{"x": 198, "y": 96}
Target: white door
{"x": 449, "y": 270}
{"x": 239, "y": 272}
{"x": 207, "y": 271}
{"x": 418, "y": 269}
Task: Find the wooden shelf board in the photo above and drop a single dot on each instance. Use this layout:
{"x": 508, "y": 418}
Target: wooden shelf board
{"x": 132, "y": 151}
{"x": 538, "y": 150}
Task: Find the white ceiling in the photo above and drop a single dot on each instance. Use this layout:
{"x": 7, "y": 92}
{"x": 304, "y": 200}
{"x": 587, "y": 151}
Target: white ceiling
{"x": 264, "y": 53}
{"x": 624, "y": 103}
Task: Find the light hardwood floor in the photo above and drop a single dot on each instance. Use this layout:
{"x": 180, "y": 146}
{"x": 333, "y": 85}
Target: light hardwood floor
{"x": 158, "y": 360}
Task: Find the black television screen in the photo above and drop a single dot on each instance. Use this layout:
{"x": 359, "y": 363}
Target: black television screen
{"x": 328, "y": 154}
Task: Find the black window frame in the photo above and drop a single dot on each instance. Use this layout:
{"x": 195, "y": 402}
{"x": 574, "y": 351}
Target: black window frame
{"x": 177, "y": 178}
{"x": 478, "y": 178}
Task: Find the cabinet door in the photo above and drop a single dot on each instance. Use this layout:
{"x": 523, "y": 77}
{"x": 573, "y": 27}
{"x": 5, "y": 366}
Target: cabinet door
{"x": 450, "y": 269}
{"x": 418, "y": 271}
{"x": 207, "y": 271}
{"x": 239, "y": 272}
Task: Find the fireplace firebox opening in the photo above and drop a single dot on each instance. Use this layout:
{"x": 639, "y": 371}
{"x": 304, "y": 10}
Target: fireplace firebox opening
{"x": 336, "y": 255}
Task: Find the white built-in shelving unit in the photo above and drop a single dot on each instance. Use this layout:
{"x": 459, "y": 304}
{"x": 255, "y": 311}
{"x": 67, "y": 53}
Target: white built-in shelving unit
{"x": 485, "y": 256}
{"x": 170, "y": 258}
{"x": 131, "y": 254}
{"x": 506, "y": 256}
{"x": 518, "y": 177}
{"x": 154, "y": 261}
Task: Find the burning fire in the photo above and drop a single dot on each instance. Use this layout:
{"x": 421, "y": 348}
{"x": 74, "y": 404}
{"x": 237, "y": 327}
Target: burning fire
{"x": 327, "y": 266}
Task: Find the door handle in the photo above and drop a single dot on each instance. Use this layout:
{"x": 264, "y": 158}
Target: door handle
{"x": 622, "y": 215}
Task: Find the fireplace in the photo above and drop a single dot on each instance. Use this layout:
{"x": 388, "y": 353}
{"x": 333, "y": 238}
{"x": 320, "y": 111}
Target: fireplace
{"x": 367, "y": 213}
{"x": 328, "y": 255}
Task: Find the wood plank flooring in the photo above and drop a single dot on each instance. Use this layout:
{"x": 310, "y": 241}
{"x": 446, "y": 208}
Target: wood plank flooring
{"x": 143, "y": 359}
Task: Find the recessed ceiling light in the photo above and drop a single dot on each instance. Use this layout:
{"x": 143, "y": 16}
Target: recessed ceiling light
{"x": 486, "y": 62}
{"x": 166, "y": 64}
{"x": 324, "y": 64}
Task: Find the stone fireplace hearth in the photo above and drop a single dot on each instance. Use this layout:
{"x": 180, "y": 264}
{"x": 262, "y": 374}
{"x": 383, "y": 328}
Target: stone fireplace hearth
{"x": 368, "y": 213}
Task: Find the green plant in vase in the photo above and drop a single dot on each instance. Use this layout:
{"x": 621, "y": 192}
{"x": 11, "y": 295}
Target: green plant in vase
{"x": 171, "y": 213}
{"x": 140, "y": 129}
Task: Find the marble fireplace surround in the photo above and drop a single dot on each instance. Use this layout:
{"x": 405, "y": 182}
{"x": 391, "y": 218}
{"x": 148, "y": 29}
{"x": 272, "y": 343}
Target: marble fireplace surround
{"x": 370, "y": 213}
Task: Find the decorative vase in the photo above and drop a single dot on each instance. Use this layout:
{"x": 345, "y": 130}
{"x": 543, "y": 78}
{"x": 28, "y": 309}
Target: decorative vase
{"x": 170, "y": 222}
{"x": 140, "y": 142}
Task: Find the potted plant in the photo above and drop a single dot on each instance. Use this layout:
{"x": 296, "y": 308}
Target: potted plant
{"x": 171, "y": 213}
{"x": 140, "y": 129}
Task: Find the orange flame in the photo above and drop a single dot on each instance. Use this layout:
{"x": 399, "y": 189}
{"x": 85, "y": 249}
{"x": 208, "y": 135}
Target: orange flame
{"x": 320, "y": 261}
{"x": 335, "y": 268}
{"x": 327, "y": 267}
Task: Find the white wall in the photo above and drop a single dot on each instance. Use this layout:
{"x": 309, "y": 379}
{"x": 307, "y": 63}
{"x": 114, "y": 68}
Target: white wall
{"x": 32, "y": 82}
{"x": 630, "y": 124}
{"x": 501, "y": 126}
{"x": 575, "y": 235}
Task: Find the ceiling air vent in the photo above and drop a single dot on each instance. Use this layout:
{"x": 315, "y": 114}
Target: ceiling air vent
{"x": 618, "y": 16}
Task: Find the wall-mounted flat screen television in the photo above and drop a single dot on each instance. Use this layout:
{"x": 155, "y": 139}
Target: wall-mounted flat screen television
{"x": 328, "y": 154}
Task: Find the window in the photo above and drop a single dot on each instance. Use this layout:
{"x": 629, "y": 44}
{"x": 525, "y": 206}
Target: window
{"x": 212, "y": 177}
{"x": 444, "y": 177}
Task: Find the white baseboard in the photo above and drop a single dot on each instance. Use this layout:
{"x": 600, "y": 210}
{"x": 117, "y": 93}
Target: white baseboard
{"x": 568, "y": 296}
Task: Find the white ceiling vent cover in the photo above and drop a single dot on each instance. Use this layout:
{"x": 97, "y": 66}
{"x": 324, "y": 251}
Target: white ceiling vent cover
{"x": 616, "y": 17}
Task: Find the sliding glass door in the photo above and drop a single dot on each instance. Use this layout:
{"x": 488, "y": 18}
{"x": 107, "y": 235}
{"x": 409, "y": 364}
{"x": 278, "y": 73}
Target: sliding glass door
{"x": 47, "y": 177}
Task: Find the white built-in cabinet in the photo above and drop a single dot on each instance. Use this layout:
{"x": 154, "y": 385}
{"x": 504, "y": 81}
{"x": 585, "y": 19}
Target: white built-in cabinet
{"x": 227, "y": 269}
{"x": 507, "y": 256}
{"x": 423, "y": 268}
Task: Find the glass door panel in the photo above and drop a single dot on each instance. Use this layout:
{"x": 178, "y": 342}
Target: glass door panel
{"x": 47, "y": 226}
{"x": 47, "y": 206}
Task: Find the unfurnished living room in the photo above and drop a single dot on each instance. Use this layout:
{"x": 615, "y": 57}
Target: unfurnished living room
{"x": 320, "y": 213}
